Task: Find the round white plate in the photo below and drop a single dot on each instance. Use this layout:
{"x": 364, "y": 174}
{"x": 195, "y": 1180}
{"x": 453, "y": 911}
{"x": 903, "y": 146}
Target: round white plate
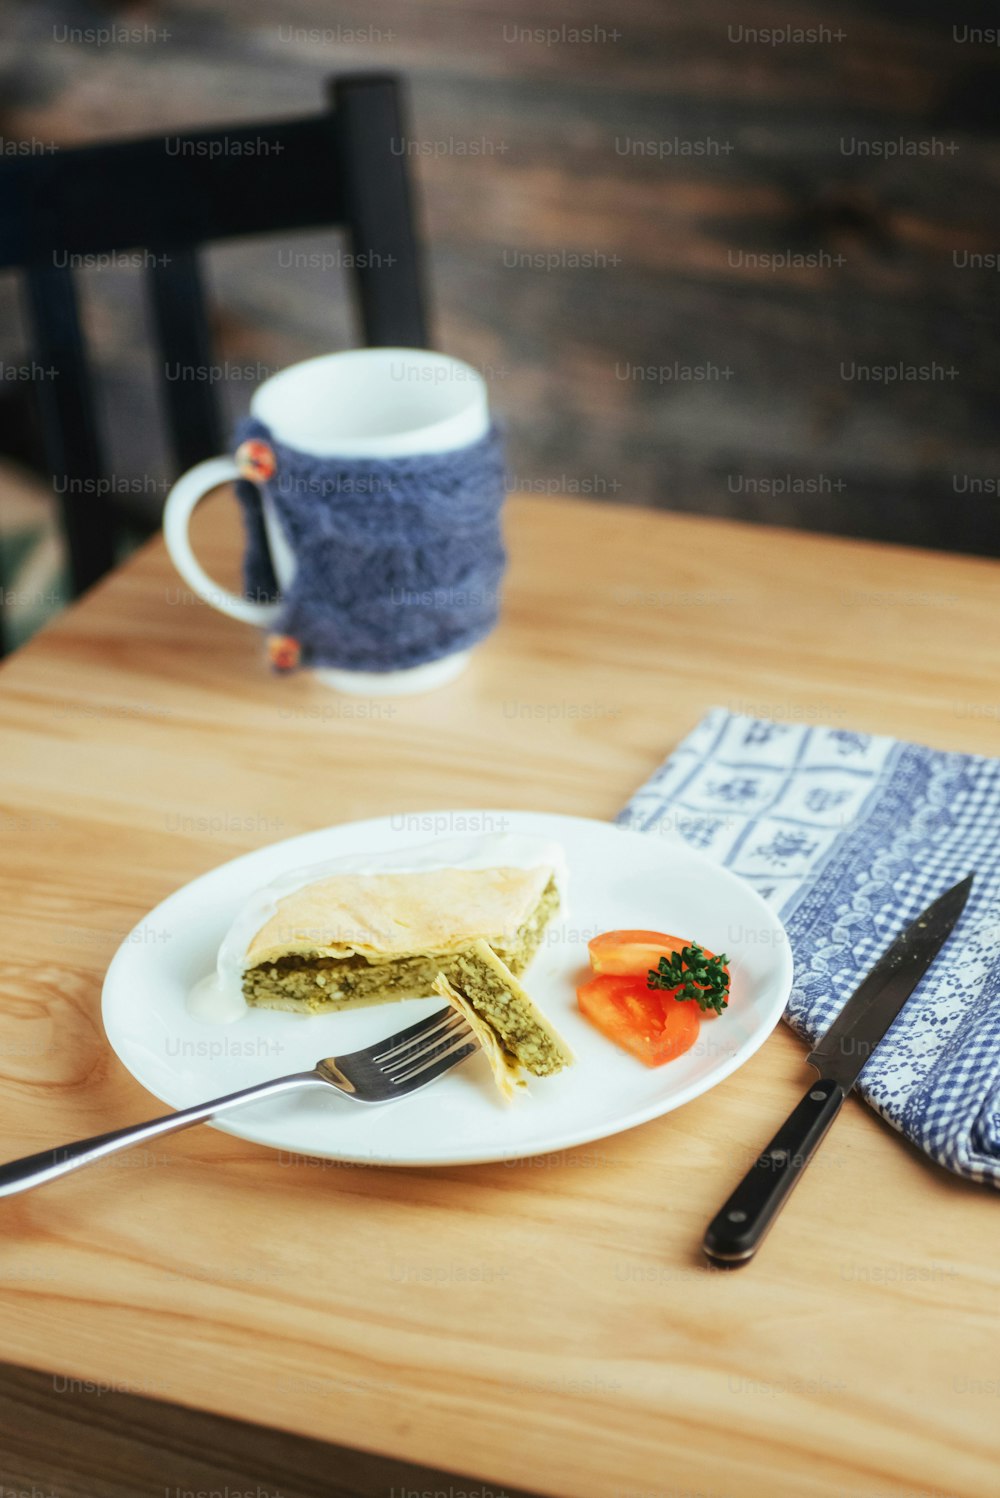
{"x": 617, "y": 879}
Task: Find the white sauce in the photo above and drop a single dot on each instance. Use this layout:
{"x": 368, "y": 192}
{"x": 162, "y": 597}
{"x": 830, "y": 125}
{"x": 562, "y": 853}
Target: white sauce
{"x": 216, "y": 1001}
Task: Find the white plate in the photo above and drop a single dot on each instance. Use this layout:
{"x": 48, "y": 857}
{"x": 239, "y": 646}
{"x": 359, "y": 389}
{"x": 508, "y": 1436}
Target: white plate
{"x": 617, "y": 879}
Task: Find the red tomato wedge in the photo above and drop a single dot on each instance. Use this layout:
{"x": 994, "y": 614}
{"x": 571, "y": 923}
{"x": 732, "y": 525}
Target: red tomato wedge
{"x": 635, "y": 953}
{"x": 632, "y": 953}
{"x": 647, "y": 1022}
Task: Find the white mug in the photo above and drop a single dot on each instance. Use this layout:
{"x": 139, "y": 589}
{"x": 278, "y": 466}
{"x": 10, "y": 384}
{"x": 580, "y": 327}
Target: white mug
{"x": 365, "y": 403}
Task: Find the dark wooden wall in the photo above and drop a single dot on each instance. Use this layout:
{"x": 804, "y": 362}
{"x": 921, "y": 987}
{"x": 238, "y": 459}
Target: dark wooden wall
{"x": 672, "y": 247}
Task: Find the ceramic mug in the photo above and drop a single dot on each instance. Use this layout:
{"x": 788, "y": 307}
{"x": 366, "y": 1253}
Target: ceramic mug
{"x": 372, "y": 403}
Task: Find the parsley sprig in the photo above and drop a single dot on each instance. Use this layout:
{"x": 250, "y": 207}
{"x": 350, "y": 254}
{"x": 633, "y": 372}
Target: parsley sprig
{"x": 694, "y": 975}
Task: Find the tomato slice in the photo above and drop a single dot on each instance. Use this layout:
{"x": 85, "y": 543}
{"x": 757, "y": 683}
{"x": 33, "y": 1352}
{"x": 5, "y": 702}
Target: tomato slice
{"x": 632, "y": 953}
{"x": 635, "y": 953}
{"x": 649, "y": 1023}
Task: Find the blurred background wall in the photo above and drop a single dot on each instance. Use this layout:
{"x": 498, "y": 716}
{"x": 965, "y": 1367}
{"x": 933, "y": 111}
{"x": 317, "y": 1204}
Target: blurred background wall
{"x": 739, "y": 258}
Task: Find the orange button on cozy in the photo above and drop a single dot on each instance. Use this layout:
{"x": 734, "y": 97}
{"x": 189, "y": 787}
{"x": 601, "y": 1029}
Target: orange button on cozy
{"x": 283, "y": 652}
{"x": 255, "y": 460}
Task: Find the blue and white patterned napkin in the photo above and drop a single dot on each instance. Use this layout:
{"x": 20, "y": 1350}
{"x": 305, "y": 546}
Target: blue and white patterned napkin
{"x": 849, "y": 836}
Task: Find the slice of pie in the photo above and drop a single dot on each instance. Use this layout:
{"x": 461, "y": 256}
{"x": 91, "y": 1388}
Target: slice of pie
{"x": 368, "y": 938}
{"x": 514, "y": 1034}
{"x": 449, "y": 918}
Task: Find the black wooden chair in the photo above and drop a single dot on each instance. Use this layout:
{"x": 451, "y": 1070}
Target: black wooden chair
{"x": 171, "y": 195}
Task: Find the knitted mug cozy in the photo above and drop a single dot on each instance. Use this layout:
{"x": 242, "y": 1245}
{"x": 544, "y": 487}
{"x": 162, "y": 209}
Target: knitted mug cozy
{"x": 398, "y": 561}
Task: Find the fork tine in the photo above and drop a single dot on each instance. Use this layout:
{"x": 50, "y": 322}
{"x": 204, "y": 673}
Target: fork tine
{"x": 414, "y": 1036}
{"x": 442, "y": 1035}
{"x": 411, "y": 1032}
{"x": 435, "y": 1066}
{"x": 398, "y": 1064}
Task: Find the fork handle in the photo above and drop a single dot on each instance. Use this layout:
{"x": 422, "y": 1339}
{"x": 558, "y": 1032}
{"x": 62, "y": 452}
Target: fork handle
{"x": 48, "y": 1165}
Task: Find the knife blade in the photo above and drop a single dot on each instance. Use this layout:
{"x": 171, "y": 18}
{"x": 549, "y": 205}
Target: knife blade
{"x": 738, "y": 1229}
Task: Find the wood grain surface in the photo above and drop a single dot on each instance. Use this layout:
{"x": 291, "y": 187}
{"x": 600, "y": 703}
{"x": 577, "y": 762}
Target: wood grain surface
{"x": 547, "y": 1325}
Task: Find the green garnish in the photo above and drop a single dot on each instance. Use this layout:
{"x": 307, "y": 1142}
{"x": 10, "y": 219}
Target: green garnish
{"x": 695, "y": 975}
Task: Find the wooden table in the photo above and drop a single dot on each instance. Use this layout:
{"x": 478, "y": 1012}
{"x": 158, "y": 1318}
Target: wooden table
{"x": 552, "y": 1326}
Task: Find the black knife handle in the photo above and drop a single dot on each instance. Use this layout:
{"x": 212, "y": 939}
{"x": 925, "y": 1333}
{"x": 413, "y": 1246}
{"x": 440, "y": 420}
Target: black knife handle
{"x": 734, "y": 1234}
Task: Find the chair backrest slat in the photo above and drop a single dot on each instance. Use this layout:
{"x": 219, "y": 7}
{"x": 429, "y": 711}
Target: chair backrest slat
{"x": 185, "y": 356}
{"x": 372, "y": 158}
{"x": 178, "y": 189}
{"x": 72, "y": 443}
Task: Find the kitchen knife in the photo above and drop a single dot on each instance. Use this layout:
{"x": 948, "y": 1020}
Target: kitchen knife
{"x": 736, "y": 1232}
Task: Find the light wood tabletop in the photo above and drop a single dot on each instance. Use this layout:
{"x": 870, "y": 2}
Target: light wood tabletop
{"x": 547, "y": 1325}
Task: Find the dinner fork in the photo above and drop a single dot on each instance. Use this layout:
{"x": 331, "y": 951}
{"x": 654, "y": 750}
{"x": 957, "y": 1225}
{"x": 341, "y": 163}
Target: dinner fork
{"x": 381, "y": 1073}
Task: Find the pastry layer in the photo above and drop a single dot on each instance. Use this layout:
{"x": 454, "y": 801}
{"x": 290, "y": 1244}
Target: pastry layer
{"x": 316, "y": 969}
{"x": 397, "y": 914}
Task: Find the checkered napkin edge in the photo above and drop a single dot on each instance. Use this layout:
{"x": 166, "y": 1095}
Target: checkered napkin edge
{"x": 849, "y": 836}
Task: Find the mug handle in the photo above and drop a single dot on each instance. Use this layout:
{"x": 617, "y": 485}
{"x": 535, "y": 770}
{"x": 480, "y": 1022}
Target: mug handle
{"x": 181, "y": 502}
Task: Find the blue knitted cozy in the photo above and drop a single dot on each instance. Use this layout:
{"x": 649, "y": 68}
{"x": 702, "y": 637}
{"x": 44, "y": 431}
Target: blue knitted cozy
{"x": 398, "y": 561}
